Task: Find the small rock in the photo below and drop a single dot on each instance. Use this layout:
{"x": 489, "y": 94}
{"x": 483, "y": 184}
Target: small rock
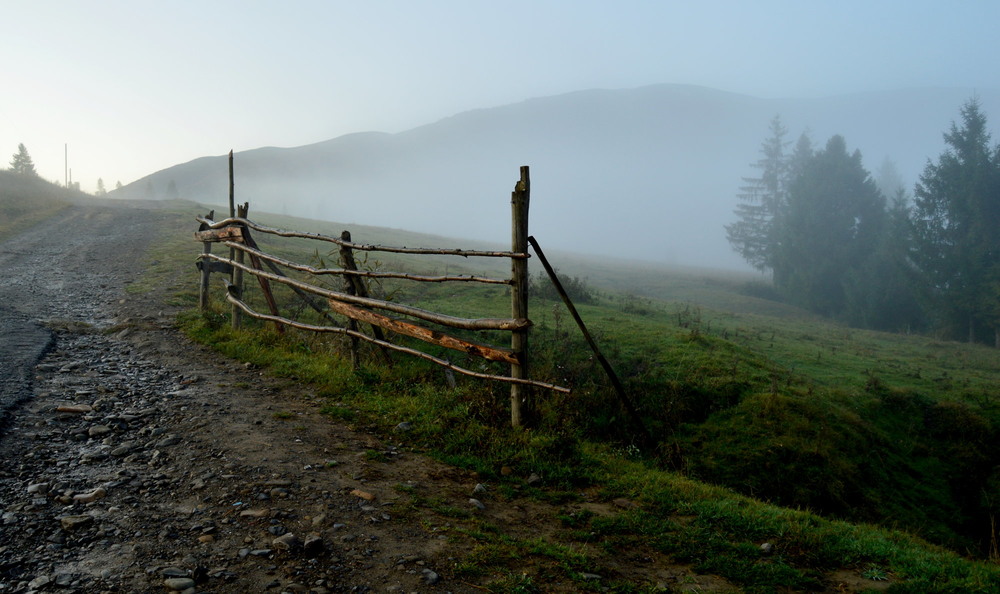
{"x": 363, "y": 495}
{"x": 91, "y": 496}
{"x": 168, "y": 441}
{"x": 313, "y": 544}
{"x": 77, "y": 409}
{"x": 477, "y": 503}
{"x": 287, "y": 542}
{"x": 178, "y": 584}
{"x": 430, "y": 577}
{"x": 173, "y": 572}
{"x": 123, "y": 450}
{"x": 480, "y": 489}
{"x": 39, "y": 582}
{"x": 506, "y": 471}
{"x": 255, "y": 513}
{"x": 98, "y": 430}
{"x": 534, "y": 479}
{"x": 404, "y": 426}
{"x": 767, "y": 548}
{"x": 70, "y": 523}
{"x": 40, "y": 488}
{"x": 624, "y": 503}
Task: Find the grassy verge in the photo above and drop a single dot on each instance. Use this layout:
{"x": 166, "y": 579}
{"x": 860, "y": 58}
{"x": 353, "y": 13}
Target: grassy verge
{"x": 870, "y": 427}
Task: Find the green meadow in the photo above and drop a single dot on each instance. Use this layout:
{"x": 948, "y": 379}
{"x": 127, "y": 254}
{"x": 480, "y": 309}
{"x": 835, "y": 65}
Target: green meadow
{"x": 844, "y": 449}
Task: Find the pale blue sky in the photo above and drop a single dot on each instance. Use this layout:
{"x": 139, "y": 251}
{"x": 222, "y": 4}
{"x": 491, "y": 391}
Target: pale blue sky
{"x": 134, "y": 86}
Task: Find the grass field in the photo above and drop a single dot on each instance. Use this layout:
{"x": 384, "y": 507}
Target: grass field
{"x": 849, "y": 449}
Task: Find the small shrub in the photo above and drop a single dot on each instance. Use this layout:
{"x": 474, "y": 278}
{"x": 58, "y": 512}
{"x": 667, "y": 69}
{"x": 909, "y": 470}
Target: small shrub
{"x": 540, "y": 286}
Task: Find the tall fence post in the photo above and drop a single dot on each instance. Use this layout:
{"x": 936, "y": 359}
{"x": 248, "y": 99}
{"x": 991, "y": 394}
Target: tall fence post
{"x": 237, "y": 318}
{"x": 356, "y": 286}
{"x": 347, "y": 263}
{"x": 520, "y": 395}
{"x": 206, "y": 266}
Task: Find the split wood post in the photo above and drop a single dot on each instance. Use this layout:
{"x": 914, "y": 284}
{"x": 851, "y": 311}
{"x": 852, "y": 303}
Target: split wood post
{"x": 206, "y": 268}
{"x": 232, "y": 211}
{"x": 520, "y": 395}
{"x": 232, "y": 193}
{"x": 237, "y": 317}
{"x": 356, "y": 286}
{"x": 347, "y": 262}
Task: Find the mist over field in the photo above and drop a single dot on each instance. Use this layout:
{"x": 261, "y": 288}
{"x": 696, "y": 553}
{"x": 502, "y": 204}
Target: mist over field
{"x": 649, "y": 173}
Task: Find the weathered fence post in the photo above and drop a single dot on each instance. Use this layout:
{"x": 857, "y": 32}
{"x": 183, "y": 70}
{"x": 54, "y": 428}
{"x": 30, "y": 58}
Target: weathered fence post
{"x": 237, "y": 318}
{"x": 357, "y": 287}
{"x": 347, "y": 263}
{"x": 520, "y": 395}
{"x": 206, "y": 266}
{"x": 232, "y": 192}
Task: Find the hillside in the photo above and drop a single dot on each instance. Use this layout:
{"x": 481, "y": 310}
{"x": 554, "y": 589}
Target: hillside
{"x": 26, "y": 200}
{"x": 654, "y": 169}
{"x": 745, "y": 393}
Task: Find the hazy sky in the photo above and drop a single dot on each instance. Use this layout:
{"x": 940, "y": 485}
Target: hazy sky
{"x": 134, "y": 86}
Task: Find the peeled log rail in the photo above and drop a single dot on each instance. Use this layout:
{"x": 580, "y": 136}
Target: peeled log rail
{"x": 447, "y": 364}
{"x": 424, "y": 334}
{"x": 223, "y": 234}
{"x": 345, "y": 271}
{"x": 359, "y": 246}
{"x": 453, "y": 322}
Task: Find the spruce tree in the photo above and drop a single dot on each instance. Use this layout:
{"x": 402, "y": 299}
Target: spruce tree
{"x": 956, "y": 231}
{"x": 21, "y": 162}
{"x": 760, "y": 198}
{"x": 829, "y": 229}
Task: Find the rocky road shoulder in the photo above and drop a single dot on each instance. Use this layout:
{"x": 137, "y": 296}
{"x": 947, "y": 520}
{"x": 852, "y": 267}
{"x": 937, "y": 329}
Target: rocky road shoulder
{"x": 127, "y": 472}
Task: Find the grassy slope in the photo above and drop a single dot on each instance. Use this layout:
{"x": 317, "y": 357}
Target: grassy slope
{"x": 26, "y": 200}
{"x": 740, "y": 391}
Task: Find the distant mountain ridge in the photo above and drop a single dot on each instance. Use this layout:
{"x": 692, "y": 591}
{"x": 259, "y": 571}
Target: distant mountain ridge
{"x": 648, "y": 173}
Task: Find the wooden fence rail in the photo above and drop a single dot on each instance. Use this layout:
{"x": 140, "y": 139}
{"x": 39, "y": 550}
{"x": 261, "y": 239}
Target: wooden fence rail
{"x": 357, "y": 306}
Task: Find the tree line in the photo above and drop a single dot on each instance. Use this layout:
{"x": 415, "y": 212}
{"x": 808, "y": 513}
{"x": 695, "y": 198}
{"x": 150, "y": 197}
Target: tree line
{"x": 22, "y": 164}
{"x": 845, "y": 244}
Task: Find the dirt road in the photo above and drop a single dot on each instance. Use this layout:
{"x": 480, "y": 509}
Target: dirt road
{"x": 139, "y": 462}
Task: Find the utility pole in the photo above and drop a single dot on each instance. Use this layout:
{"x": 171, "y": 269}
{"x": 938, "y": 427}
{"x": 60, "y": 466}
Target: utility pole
{"x": 66, "y": 164}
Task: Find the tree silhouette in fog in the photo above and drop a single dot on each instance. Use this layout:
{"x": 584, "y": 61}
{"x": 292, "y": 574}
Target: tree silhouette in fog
{"x": 21, "y": 162}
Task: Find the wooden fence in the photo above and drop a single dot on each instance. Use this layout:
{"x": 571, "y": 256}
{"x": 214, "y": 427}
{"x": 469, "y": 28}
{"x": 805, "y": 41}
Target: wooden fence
{"x": 356, "y": 305}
